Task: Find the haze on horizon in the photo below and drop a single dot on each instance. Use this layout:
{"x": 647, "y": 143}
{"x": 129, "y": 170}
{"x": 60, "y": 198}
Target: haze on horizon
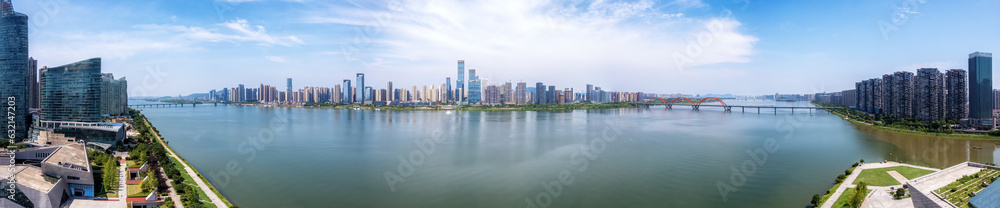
{"x": 749, "y": 47}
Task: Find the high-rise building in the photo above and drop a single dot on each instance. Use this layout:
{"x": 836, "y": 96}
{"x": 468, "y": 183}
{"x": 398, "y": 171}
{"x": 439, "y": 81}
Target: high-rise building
{"x": 539, "y": 97}
{"x": 521, "y": 93}
{"x": 590, "y": 92}
{"x": 72, "y": 92}
{"x": 369, "y": 94}
{"x": 551, "y": 96}
{"x": 289, "y": 85}
{"x": 361, "y": 96}
{"x": 981, "y": 88}
{"x": 348, "y": 97}
{"x": 507, "y": 94}
{"x": 568, "y": 95}
{"x": 450, "y": 98}
{"x": 958, "y": 95}
{"x": 114, "y": 95}
{"x": 475, "y": 91}
{"x": 460, "y": 82}
{"x": 929, "y": 95}
{"x": 390, "y": 96}
{"x": 33, "y": 87}
{"x": 14, "y": 68}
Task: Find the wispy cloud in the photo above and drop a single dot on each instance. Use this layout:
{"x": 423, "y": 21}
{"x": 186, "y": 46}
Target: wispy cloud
{"x": 539, "y": 40}
{"x": 239, "y": 31}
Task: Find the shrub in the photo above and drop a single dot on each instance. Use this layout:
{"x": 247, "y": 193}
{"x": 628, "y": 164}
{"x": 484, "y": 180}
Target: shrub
{"x": 815, "y": 199}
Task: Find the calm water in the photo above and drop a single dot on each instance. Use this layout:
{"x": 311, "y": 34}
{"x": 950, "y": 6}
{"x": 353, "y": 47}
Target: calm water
{"x": 294, "y": 157}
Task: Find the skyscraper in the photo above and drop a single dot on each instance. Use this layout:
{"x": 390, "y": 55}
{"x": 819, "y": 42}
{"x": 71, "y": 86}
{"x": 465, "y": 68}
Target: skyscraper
{"x": 360, "y": 96}
{"x": 981, "y": 88}
{"x": 389, "y": 93}
{"x": 289, "y": 85}
{"x": 539, "y": 97}
{"x": 14, "y": 68}
{"x": 958, "y": 95}
{"x": 551, "y": 96}
{"x": 590, "y": 92}
{"x": 475, "y": 87}
{"x": 928, "y": 102}
{"x": 521, "y": 93}
{"x": 447, "y": 81}
{"x": 460, "y": 82}
{"x": 72, "y": 92}
{"x": 348, "y": 97}
{"x": 33, "y": 87}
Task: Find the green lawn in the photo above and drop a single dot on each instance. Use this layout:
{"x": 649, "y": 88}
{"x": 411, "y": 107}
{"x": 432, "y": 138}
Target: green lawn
{"x": 134, "y": 190}
{"x": 132, "y": 164}
{"x": 846, "y": 197}
{"x": 880, "y": 177}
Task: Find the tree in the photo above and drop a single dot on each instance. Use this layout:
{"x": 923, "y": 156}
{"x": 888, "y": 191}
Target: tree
{"x": 815, "y": 199}
{"x": 859, "y": 195}
{"x": 111, "y": 174}
{"x": 900, "y": 193}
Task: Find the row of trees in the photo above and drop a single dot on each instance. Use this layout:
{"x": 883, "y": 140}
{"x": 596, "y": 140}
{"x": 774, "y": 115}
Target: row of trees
{"x": 941, "y": 126}
{"x": 155, "y": 155}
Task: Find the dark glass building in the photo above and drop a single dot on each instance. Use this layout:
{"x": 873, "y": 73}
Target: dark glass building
{"x": 72, "y": 92}
{"x": 460, "y": 82}
{"x": 361, "y": 89}
{"x": 981, "y": 88}
{"x": 14, "y": 69}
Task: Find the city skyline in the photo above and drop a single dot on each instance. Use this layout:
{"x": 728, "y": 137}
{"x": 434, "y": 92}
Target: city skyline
{"x": 766, "y": 41}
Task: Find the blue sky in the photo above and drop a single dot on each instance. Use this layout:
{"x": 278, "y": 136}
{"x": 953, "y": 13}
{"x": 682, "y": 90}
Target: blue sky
{"x": 685, "y": 46}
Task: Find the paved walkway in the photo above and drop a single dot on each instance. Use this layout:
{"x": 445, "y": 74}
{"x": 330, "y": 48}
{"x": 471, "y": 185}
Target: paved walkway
{"x": 170, "y": 188}
{"x": 201, "y": 183}
{"x": 899, "y": 178}
{"x": 848, "y": 182}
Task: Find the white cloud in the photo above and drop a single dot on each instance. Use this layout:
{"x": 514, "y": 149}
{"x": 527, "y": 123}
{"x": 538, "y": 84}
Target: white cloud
{"x": 548, "y": 41}
{"x": 276, "y": 59}
{"x": 241, "y": 31}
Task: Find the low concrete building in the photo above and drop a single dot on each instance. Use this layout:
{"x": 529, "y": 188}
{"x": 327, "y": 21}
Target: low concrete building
{"x": 62, "y": 173}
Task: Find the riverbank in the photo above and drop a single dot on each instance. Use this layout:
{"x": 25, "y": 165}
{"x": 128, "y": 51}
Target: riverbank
{"x": 911, "y": 131}
{"x": 213, "y": 194}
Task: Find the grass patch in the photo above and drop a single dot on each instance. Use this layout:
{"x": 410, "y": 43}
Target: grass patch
{"x": 132, "y": 164}
{"x": 879, "y": 176}
{"x": 827, "y": 196}
{"x": 134, "y": 190}
{"x": 846, "y": 197}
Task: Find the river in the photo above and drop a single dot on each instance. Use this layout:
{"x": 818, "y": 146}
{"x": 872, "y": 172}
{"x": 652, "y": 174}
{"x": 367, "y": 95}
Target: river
{"x": 656, "y": 157}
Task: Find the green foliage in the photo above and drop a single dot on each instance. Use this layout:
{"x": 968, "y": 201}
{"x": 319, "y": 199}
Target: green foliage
{"x": 900, "y": 193}
{"x": 111, "y": 169}
{"x": 815, "y": 199}
{"x": 859, "y": 195}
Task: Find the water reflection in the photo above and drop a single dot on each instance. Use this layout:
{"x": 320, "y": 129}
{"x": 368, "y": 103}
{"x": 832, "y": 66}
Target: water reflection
{"x": 934, "y": 151}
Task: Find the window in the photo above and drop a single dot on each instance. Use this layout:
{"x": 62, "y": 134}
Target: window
{"x": 73, "y": 177}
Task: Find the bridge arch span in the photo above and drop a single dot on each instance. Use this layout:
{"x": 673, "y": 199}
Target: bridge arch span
{"x": 716, "y": 99}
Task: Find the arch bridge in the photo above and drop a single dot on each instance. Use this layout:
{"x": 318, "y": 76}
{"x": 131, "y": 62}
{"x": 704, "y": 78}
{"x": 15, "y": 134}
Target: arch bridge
{"x": 728, "y": 108}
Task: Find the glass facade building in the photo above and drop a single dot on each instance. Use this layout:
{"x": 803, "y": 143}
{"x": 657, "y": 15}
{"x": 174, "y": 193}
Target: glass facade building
{"x": 981, "y": 87}
{"x": 361, "y": 86}
{"x": 14, "y": 68}
{"x": 460, "y": 83}
{"x": 72, "y": 92}
{"x": 348, "y": 97}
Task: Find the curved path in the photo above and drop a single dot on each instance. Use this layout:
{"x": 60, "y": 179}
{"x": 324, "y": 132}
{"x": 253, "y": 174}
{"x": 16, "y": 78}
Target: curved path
{"x": 201, "y": 183}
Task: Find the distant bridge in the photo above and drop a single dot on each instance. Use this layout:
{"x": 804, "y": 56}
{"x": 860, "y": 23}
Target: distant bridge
{"x": 728, "y": 108}
{"x": 168, "y": 105}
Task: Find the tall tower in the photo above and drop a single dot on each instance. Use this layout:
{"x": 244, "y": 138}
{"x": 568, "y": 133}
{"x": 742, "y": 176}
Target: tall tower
{"x": 289, "y": 85}
{"x": 348, "y": 97}
{"x": 981, "y": 88}
{"x": 460, "y": 82}
{"x": 360, "y": 95}
{"x": 33, "y": 87}
{"x": 14, "y": 69}
{"x": 449, "y": 98}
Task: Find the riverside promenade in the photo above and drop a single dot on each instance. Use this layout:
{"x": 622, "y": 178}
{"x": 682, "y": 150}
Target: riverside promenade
{"x": 876, "y": 190}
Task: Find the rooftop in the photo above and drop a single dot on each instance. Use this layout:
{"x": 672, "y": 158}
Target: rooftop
{"x": 72, "y": 156}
